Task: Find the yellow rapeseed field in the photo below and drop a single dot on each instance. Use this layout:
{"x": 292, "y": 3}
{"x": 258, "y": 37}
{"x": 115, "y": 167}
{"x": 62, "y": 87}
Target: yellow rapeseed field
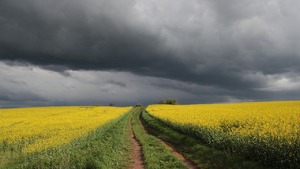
{"x": 278, "y": 120}
{"x": 36, "y": 129}
{"x": 265, "y": 131}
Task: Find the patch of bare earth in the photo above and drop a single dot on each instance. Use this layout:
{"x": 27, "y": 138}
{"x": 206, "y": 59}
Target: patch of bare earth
{"x": 137, "y": 153}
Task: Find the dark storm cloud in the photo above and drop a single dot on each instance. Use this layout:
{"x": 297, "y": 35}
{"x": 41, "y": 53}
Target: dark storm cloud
{"x": 217, "y": 43}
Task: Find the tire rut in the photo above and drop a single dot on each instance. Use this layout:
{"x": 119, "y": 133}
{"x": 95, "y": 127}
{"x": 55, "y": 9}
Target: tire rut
{"x": 170, "y": 148}
{"x": 189, "y": 164}
{"x": 137, "y": 152}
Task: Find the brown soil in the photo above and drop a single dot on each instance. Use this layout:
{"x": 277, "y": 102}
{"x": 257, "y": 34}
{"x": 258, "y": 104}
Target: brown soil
{"x": 137, "y": 153}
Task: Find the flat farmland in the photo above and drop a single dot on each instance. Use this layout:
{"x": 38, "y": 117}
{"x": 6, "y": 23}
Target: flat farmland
{"x": 241, "y": 135}
{"x": 268, "y": 132}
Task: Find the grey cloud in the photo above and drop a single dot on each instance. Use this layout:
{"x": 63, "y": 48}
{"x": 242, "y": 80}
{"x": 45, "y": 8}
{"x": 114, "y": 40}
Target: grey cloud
{"x": 10, "y": 96}
{"x": 231, "y": 47}
{"x": 17, "y": 82}
{"x": 45, "y": 87}
{"x": 118, "y": 83}
{"x": 69, "y": 87}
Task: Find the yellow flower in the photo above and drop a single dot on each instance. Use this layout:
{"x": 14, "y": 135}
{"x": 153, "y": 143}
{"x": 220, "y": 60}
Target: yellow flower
{"x": 36, "y": 129}
{"x": 263, "y": 120}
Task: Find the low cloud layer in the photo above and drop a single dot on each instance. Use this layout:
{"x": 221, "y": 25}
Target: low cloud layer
{"x": 30, "y": 85}
{"x": 228, "y": 50}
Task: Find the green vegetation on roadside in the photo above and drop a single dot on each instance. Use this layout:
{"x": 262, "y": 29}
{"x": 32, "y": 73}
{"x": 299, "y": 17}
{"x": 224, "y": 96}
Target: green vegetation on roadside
{"x": 155, "y": 154}
{"x": 204, "y": 157}
{"x": 106, "y": 147}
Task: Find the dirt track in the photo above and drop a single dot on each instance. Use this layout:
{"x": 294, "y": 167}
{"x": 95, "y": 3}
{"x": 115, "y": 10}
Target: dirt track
{"x": 137, "y": 152}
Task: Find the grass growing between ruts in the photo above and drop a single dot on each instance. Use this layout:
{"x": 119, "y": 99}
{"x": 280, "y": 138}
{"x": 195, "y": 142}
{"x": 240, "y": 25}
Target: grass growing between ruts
{"x": 204, "y": 157}
{"x": 155, "y": 154}
{"x": 107, "y": 147}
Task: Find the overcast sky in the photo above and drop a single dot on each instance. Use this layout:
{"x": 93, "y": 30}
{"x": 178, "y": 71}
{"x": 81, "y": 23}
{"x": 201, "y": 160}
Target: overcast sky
{"x": 75, "y": 52}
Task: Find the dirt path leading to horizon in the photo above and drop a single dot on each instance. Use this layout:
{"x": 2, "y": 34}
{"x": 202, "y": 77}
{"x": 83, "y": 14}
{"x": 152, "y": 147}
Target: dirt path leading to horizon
{"x": 137, "y": 152}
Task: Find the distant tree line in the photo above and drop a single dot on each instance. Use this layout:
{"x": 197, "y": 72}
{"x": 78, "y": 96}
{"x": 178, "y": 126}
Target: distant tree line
{"x": 112, "y": 104}
{"x": 168, "y": 101}
{"x": 138, "y": 105}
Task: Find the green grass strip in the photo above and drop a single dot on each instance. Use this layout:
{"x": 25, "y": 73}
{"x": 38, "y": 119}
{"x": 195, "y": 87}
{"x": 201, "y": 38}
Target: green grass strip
{"x": 155, "y": 154}
{"x": 204, "y": 157}
{"x": 107, "y": 147}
